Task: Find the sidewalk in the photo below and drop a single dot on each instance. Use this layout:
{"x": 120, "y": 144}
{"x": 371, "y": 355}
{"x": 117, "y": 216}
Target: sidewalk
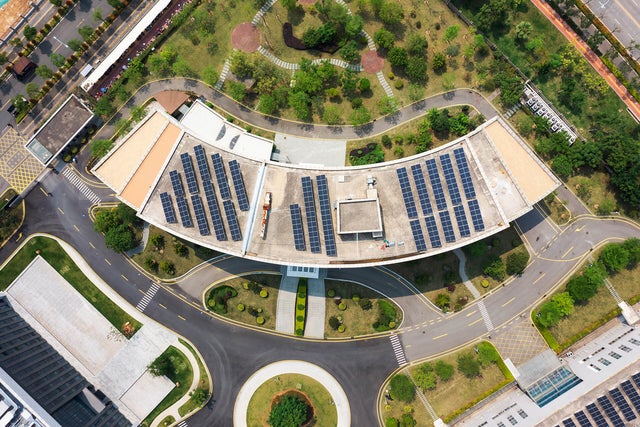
{"x": 286, "y": 308}
{"x": 316, "y": 305}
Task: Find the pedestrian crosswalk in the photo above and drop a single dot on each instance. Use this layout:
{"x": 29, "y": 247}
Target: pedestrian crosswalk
{"x": 74, "y": 179}
{"x": 148, "y": 296}
{"x": 183, "y": 423}
{"x": 397, "y": 349}
{"x": 485, "y": 316}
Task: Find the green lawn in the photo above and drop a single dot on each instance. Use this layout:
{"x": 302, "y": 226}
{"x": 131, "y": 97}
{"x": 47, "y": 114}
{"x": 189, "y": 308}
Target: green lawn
{"x": 261, "y": 401}
{"x": 10, "y": 219}
{"x": 51, "y": 251}
{"x": 203, "y": 383}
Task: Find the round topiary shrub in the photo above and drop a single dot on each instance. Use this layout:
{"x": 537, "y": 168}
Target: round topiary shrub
{"x": 355, "y": 297}
{"x": 331, "y": 293}
{"x": 259, "y": 310}
{"x": 241, "y": 307}
{"x": 299, "y": 318}
{"x": 245, "y": 285}
{"x": 391, "y": 75}
{"x": 302, "y": 295}
{"x": 264, "y": 293}
{"x": 399, "y": 84}
{"x": 260, "y": 320}
{"x": 342, "y": 306}
{"x": 392, "y": 324}
{"x": 341, "y": 328}
{"x": 484, "y": 283}
{"x": 300, "y": 306}
{"x": 211, "y": 303}
{"x": 299, "y": 332}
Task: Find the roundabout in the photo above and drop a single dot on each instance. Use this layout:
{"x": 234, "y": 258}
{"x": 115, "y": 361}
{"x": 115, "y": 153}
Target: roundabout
{"x": 260, "y": 377}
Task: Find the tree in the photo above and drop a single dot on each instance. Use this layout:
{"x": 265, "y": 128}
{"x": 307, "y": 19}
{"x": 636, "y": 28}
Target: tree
{"x": 106, "y": 220}
{"x": 288, "y": 412}
{"x": 359, "y": 116}
{"x": 199, "y": 396}
{"x": 3, "y": 58}
{"x": 562, "y": 165}
{"x": 331, "y": 115}
{"x": 119, "y": 238}
{"x": 401, "y": 388}
{"x": 127, "y": 215}
{"x": 353, "y": 27}
{"x": 159, "y": 65}
{"x": 443, "y": 301}
{"x": 97, "y": 15}
{"x": 167, "y": 267}
{"x": 439, "y": 63}
{"x": 516, "y": 262}
{"x": 29, "y": 32}
{"x": 267, "y": 104}
{"x": 416, "y": 70}
{"x": 495, "y": 269}
{"x": 523, "y": 30}
{"x": 487, "y": 354}
{"x": 581, "y": 289}
{"x": 300, "y": 102}
{"x": 44, "y": 72}
{"x": 614, "y": 257}
{"x": 56, "y": 3}
{"x": 451, "y": 33}
{"x": 100, "y": 147}
{"x": 16, "y": 42}
{"x": 633, "y": 247}
{"x": 416, "y": 44}
{"x": 157, "y": 241}
{"x": 32, "y": 90}
{"x": 209, "y": 75}
{"x": 74, "y": 44}
{"x": 57, "y": 59}
{"x": 476, "y": 249}
{"x": 350, "y": 52}
{"x": 407, "y": 420}
{"x": 384, "y": 38}
{"x": 290, "y": 4}
{"x": 388, "y": 105}
{"x": 237, "y": 91}
{"x": 559, "y": 306}
{"x": 391, "y": 13}
{"x": 116, "y": 4}
{"x": 443, "y": 370}
{"x": 161, "y": 366}
{"x": 425, "y": 377}
{"x": 398, "y": 57}
{"x": 103, "y": 107}
{"x": 459, "y": 124}
{"x": 468, "y": 365}
{"x": 85, "y": 32}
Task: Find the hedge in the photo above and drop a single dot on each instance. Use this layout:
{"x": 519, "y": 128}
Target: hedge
{"x": 301, "y": 306}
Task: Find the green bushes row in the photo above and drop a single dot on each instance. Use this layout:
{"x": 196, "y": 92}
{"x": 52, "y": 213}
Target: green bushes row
{"x": 301, "y": 306}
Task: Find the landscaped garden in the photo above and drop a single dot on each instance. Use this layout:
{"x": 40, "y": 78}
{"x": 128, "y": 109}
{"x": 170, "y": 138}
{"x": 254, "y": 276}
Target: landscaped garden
{"x": 291, "y": 400}
{"x": 51, "y": 251}
{"x": 451, "y": 384}
{"x": 250, "y": 299}
{"x": 10, "y": 218}
{"x": 353, "y": 310}
{"x": 584, "y": 302}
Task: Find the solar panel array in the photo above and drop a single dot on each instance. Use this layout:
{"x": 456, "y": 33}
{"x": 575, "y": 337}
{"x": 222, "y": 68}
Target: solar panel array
{"x": 421, "y": 245}
{"x": 569, "y": 423}
{"x": 232, "y": 220}
{"x": 476, "y": 215}
{"x": 605, "y": 403}
{"x": 310, "y": 211}
{"x": 201, "y": 217}
{"x": 582, "y": 419}
{"x": 176, "y": 183}
{"x": 296, "y": 223}
{"x": 214, "y": 210}
{"x": 465, "y": 173}
{"x": 436, "y": 184}
{"x": 421, "y": 187}
{"x": 238, "y": 185}
{"x": 432, "y": 229}
{"x": 407, "y": 194}
{"x": 183, "y": 210}
{"x": 450, "y": 179}
{"x": 627, "y": 412}
{"x": 447, "y": 227}
{"x": 221, "y": 176}
{"x": 203, "y": 165}
{"x": 632, "y": 394}
{"x": 596, "y": 415}
{"x": 325, "y": 215}
{"x": 189, "y": 173}
{"x": 167, "y": 207}
{"x": 461, "y": 219}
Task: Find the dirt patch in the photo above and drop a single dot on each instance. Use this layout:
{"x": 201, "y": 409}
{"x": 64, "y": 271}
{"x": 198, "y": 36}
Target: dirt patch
{"x": 372, "y": 62}
{"x": 246, "y": 37}
{"x": 307, "y": 2}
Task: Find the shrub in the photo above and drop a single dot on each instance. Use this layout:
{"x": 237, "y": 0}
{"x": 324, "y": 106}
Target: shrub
{"x": 299, "y": 318}
{"x": 484, "y": 283}
{"x": 468, "y": 365}
{"x": 300, "y": 306}
{"x": 180, "y": 249}
{"x": 157, "y": 241}
{"x": 516, "y": 262}
{"x": 386, "y": 315}
{"x": 487, "y": 354}
{"x": 425, "y": 378}
{"x": 341, "y": 328}
{"x": 391, "y": 422}
{"x": 264, "y": 293}
{"x": 245, "y": 285}
{"x": 334, "y": 323}
{"x": 331, "y": 293}
{"x": 399, "y": 84}
{"x": 495, "y": 269}
{"x": 443, "y": 370}
{"x": 260, "y": 320}
{"x": 355, "y": 297}
{"x": 386, "y": 141}
{"x": 342, "y": 306}
{"x": 401, "y": 388}
{"x": 290, "y": 411}
{"x": 365, "y": 304}
{"x": 614, "y": 257}
{"x": 241, "y": 307}
{"x": 299, "y": 332}
{"x": 407, "y": 420}
{"x": 220, "y": 295}
{"x": 442, "y": 301}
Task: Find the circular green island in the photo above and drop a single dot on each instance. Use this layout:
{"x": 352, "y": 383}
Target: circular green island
{"x": 291, "y": 399}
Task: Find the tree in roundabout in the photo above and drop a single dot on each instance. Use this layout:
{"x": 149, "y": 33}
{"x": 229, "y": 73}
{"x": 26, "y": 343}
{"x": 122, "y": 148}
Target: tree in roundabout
{"x": 290, "y": 411}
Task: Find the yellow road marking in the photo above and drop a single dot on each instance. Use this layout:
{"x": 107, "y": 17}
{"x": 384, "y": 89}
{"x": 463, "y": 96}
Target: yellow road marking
{"x": 579, "y": 229}
{"x": 124, "y": 277}
{"x": 19, "y": 237}
{"x": 440, "y": 336}
{"x": 61, "y": 211}
{"x": 162, "y": 306}
{"x": 107, "y": 261}
{"x": 474, "y": 322}
{"x": 508, "y": 302}
{"x": 76, "y": 227}
{"x": 473, "y": 312}
{"x": 181, "y": 318}
{"x": 44, "y": 192}
{"x": 91, "y": 244}
{"x": 567, "y": 253}
{"x": 539, "y": 278}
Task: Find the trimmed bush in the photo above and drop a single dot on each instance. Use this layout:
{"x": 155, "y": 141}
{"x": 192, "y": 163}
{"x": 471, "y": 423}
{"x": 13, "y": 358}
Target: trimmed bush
{"x": 220, "y": 295}
{"x": 334, "y": 322}
{"x": 331, "y": 293}
{"x": 355, "y": 297}
{"x": 241, "y": 307}
{"x": 299, "y": 332}
{"x": 341, "y": 328}
{"x": 260, "y": 320}
{"x": 246, "y": 285}
{"x": 342, "y": 306}
{"x": 264, "y": 293}
{"x": 299, "y": 318}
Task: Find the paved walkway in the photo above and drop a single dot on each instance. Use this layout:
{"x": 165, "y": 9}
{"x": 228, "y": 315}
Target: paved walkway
{"x": 476, "y": 294}
{"x": 316, "y": 307}
{"x": 338, "y": 395}
{"x": 286, "y": 308}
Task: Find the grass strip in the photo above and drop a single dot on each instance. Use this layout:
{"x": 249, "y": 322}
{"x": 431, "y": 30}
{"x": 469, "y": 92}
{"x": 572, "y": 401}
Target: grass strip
{"x": 301, "y": 306}
{"x": 203, "y": 383}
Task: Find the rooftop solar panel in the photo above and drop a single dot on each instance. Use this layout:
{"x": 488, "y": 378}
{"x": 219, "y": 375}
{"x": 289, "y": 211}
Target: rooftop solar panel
{"x": 232, "y": 220}
{"x": 183, "y": 209}
{"x": 201, "y": 218}
{"x": 450, "y": 179}
{"x": 465, "y": 173}
{"x": 636, "y": 379}
{"x": 325, "y": 215}
{"x": 620, "y": 401}
{"x": 476, "y": 215}
{"x": 568, "y": 423}
{"x": 310, "y": 211}
{"x": 418, "y": 237}
{"x": 596, "y": 415}
{"x": 605, "y": 403}
{"x": 421, "y": 187}
{"x": 461, "y": 219}
{"x": 221, "y": 176}
{"x": 238, "y": 185}
{"x": 436, "y": 184}
{"x": 167, "y": 207}
{"x": 447, "y": 227}
{"x": 432, "y": 229}
{"x": 176, "y": 183}
{"x": 189, "y": 173}
{"x": 296, "y": 223}
{"x": 582, "y": 419}
{"x": 214, "y": 210}
{"x": 632, "y": 394}
{"x": 407, "y": 194}
{"x": 203, "y": 164}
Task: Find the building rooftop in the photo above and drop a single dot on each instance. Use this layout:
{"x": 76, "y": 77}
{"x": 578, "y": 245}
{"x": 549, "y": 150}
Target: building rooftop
{"x": 212, "y": 193}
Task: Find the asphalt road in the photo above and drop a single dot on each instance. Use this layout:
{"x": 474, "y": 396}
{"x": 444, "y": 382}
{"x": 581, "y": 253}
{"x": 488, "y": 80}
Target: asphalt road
{"x": 622, "y": 17}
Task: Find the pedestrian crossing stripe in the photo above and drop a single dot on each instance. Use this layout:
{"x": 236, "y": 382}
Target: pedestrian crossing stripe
{"x": 74, "y": 179}
{"x": 398, "y": 351}
{"x": 148, "y": 296}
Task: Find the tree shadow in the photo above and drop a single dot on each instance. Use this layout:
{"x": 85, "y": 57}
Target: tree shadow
{"x": 45, "y": 47}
